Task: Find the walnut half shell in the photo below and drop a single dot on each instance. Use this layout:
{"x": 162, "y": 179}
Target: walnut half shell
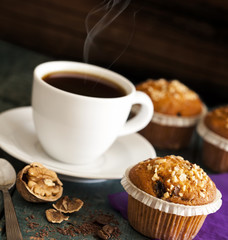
{"x": 35, "y": 183}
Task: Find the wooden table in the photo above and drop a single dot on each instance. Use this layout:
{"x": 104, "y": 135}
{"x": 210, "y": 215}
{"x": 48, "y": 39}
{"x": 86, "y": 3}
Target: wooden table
{"x": 16, "y": 72}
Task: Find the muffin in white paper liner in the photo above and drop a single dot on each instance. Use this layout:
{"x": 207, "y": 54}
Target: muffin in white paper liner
{"x": 170, "y": 132}
{"x": 214, "y": 150}
{"x": 212, "y": 137}
{"x": 169, "y": 207}
{"x": 159, "y": 219}
{"x": 175, "y": 121}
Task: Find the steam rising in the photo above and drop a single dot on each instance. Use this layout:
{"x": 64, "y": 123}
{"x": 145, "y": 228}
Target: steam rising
{"x": 110, "y": 9}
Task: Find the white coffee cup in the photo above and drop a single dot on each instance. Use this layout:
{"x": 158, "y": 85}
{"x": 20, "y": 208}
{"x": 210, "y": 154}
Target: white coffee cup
{"x": 78, "y": 129}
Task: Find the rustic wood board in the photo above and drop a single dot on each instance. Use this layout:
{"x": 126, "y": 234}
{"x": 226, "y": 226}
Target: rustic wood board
{"x": 151, "y": 38}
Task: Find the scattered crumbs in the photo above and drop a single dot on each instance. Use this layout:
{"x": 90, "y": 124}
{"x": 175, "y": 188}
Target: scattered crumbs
{"x": 97, "y": 224}
{"x": 33, "y": 225}
{"x": 36, "y": 238}
{"x": 42, "y": 233}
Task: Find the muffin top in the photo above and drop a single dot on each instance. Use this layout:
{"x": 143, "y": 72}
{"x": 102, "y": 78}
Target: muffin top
{"x": 217, "y": 121}
{"x": 173, "y": 179}
{"x": 171, "y": 97}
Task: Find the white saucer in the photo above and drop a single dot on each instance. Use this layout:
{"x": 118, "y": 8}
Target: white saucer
{"x": 18, "y": 138}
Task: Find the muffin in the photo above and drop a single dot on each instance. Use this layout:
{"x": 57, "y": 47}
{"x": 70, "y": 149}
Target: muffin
{"x": 213, "y": 128}
{"x": 169, "y": 197}
{"x": 177, "y": 110}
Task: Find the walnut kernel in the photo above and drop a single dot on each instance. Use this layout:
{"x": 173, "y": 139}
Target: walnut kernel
{"x": 36, "y": 183}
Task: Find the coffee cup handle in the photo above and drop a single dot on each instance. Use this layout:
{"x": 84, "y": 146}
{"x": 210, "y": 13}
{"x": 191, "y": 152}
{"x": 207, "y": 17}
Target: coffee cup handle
{"x": 142, "y": 117}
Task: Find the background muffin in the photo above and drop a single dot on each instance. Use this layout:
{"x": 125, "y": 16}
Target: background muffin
{"x": 172, "y": 97}
{"x": 214, "y": 131}
{"x": 169, "y": 197}
{"x": 217, "y": 121}
{"x": 177, "y": 109}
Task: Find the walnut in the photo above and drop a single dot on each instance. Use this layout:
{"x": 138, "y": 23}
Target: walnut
{"x": 36, "y": 183}
{"x": 67, "y": 205}
{"x": 55, "y": 216}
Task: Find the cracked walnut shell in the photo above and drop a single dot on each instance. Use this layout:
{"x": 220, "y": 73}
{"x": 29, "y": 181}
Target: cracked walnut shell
{"x": 55, "y": 216}
{"x": 36, "y": 183}
{"x": 67, "y": 205}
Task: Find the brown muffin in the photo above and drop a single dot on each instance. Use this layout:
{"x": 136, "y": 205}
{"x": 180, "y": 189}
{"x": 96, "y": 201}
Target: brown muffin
{"x": 177, "y": 110}
{"x": 217, "y": 121}
{"x": 171, "y": 97}
{"x": 214, "y": 131}
{"x": 174, "y": 179}
{"x": 169, "y": 197}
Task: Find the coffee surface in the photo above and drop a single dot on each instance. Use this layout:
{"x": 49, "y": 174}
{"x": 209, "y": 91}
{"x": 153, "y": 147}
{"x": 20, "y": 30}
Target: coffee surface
{"x": 84, "y": 84}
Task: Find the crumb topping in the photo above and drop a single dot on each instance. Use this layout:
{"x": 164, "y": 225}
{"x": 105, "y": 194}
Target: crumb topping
{"x": 174, "y": 179}
{"x": 182, "y": 175}
{"x": 159, "y": 89}
{"x": 173, "y": 93}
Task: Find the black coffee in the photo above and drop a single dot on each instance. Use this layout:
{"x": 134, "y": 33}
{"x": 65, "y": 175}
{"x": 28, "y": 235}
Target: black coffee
{"x": 84, "y": 84}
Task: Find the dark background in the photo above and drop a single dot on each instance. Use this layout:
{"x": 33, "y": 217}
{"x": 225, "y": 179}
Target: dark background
{"x": 185, "y": 40}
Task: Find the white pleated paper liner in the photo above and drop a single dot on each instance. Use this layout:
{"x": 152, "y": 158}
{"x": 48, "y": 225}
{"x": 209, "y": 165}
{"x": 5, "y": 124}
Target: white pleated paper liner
{"x": 175, "y": 121}
{"x": 168, "y": 207}
{"x": 212, "y": 137}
